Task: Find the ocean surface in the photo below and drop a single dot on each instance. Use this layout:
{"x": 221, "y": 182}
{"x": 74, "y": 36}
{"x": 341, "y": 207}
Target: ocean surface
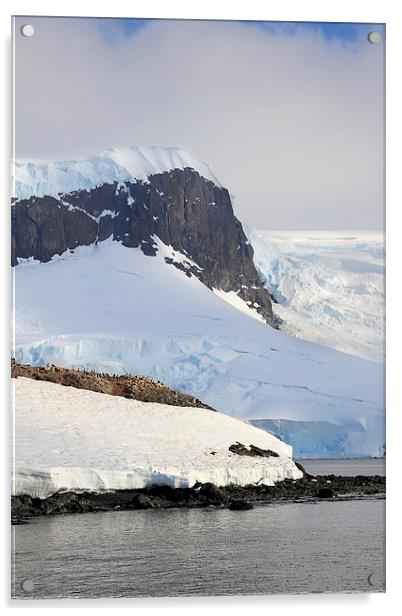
{"x": 347, "y": 468}
{"x": 304, "y": 547}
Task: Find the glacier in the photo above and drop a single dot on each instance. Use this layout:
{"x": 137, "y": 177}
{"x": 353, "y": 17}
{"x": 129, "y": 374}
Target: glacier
{"x": 113, "y": 309}
{"x": 69, "y": 439}
{"x": 329, "y": 286}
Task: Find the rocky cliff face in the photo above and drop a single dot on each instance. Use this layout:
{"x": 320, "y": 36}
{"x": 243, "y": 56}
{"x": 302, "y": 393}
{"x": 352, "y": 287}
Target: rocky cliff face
{"x": 180, "y": 207}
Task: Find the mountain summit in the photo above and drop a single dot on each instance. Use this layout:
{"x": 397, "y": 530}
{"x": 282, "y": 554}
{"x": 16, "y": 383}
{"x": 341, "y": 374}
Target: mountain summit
{"x": 141, "y": 198}
{"x": 39, "y": 179}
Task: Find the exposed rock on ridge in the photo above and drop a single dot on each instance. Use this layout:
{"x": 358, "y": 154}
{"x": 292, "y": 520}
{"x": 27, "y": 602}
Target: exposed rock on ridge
{"x": 180, "y": 207}
{"x": 128, "y": 386}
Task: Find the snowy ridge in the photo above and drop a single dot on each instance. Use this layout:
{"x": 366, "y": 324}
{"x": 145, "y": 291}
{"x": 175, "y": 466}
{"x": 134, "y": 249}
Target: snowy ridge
{"x": 125, "y": 164}
{"x": 329, "y": 286}
{"x": 62, "y": 444}
{"x": 234, "y": 300}
{"x": 154, "y": 320}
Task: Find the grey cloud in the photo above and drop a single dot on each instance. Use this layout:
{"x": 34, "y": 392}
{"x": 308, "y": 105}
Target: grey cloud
{"x": 292, "y": 125}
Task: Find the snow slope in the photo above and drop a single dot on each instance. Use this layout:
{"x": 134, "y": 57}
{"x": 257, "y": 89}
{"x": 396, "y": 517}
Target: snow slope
{"x": 114, "y": 309}
{"x": 329, "y": 285}
{"x": 35, "y": 178}
{"x": 72, "y": 439}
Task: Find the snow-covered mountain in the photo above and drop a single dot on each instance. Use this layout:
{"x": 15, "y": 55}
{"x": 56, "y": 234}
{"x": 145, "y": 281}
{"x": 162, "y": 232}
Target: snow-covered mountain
{"x": 329, "y": 286}
{"x": 40, "y": 179}
{"x": 174, "y": 204}
{"x": 61, "y": 444}
{"x": 157, "y": 277}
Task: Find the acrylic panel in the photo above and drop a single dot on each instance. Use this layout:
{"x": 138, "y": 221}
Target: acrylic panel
{"x": 198, "y": 308}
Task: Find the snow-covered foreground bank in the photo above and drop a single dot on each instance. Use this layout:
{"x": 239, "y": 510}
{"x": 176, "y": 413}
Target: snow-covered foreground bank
{"x": 73, "y": 439}
{"x": 116, "y": 310}
{"x": 329, "y": 286}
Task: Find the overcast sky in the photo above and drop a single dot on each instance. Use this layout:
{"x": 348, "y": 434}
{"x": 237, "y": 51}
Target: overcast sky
{"x": 288, "y": 116}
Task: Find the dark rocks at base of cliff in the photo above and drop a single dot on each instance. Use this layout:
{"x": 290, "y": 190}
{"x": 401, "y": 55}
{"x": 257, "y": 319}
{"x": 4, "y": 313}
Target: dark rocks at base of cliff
{"x": 200, "y": 495}
{"x": 325, "y": 493}
{"x": 239, "y": 505}
{"x": 301, "y": 468}
{"x": 212, "y": 495}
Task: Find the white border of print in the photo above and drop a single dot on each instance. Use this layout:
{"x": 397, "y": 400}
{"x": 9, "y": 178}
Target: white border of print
{"x": 370, "y": 11}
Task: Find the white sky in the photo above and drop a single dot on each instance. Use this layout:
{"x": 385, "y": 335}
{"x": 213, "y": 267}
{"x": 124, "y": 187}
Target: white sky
{"x": 290, "y": 120}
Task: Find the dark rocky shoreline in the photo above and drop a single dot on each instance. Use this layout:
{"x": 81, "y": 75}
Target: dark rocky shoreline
{"x": 201, "y": 495}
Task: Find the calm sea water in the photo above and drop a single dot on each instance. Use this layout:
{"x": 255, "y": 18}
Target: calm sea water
{"x": 349, "y": 468}
{"x": 307, "y": 547}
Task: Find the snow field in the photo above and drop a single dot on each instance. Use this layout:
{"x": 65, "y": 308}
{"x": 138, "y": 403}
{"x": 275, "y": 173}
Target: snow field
{"x": 113, "y": 309}
{"x": 72, "y": 439}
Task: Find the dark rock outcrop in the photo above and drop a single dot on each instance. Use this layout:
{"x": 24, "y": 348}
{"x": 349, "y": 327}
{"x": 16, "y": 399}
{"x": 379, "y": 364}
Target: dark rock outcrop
{"x": 212, "y": 495}
{"x": 325, "y": 493}
{"x": 301, "y": 468}
{"x": 142, "y": 501}
{"x": 180, "y": 207}
{"x": 253, "y": 451}
{"x": 127, "y": 386}
{"x": 238, "y": 505}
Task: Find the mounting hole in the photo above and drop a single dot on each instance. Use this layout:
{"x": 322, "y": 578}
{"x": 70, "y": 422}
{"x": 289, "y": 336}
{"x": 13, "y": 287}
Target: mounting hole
{"x": 374, "y": 37}
{"x": 27, "y": 30}
{"x": 374, "y": 579}
{"x": 27, "y": 585}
